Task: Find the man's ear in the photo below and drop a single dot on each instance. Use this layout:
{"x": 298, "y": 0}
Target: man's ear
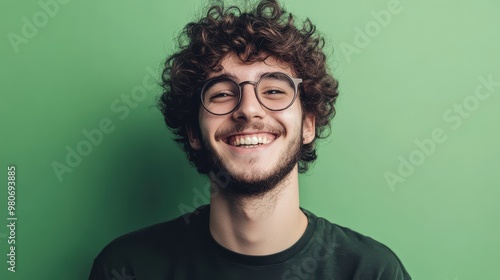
{"x": 194, "y": 139}
{"x": 308, "y": 129}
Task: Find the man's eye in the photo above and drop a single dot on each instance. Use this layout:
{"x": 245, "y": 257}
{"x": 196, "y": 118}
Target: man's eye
{"x": 221, "y": 96}
{"x": 274, "y": 91}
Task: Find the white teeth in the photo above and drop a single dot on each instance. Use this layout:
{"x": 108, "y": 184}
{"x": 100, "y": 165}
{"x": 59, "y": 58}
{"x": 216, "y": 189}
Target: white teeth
{"x": 250, "y": 141}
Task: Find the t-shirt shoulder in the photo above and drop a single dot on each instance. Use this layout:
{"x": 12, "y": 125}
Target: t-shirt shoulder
{"x": 365, "y": 254}
{"x": 128, "y": 249}
{"x": 143, "y": 237}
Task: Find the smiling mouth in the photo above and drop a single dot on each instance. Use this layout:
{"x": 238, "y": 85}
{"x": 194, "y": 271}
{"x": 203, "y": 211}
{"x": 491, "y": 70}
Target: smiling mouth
{"x": 250, "y": 140}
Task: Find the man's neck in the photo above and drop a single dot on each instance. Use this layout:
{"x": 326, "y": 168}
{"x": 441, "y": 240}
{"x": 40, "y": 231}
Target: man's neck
{"x": 259, "y": 226}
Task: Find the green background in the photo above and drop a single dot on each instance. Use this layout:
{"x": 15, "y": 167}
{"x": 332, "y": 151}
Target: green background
{"x": 443, "y": 221}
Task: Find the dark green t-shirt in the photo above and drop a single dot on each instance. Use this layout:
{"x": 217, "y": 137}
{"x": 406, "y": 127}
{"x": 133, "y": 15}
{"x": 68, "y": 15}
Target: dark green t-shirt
{"x": 183, "y": 248}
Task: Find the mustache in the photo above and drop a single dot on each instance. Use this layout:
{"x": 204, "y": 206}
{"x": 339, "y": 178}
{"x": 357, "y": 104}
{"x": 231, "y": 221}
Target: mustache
{"x": 258, "y": 126}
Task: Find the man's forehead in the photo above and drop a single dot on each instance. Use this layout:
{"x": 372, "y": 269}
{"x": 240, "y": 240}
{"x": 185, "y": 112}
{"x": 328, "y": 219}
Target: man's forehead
{"x": 231, "y": 66}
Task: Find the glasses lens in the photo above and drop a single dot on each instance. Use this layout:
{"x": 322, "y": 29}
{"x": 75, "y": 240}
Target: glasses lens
{"x": 220, "y": 96}
{"x": 276, "y": 91}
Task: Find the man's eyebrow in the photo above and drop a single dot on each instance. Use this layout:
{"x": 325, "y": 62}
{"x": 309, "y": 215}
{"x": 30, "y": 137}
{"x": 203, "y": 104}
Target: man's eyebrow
{"x": 225, "y": 75}
{"x": 234, "y": 78}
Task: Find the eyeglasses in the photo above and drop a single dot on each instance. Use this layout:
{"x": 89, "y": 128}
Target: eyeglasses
{"x": 275, "y": 91}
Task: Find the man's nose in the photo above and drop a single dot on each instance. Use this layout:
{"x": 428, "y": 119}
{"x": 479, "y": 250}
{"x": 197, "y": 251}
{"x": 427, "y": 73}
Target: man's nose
{"x": 249, "y": 107}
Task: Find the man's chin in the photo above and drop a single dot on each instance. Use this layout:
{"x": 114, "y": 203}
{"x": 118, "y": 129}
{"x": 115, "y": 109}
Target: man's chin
{"x": 239, "y": 187}
{"x": 242, "y": 182}
{"x": 248, "y": 174}
{"x": 250, "y": 183}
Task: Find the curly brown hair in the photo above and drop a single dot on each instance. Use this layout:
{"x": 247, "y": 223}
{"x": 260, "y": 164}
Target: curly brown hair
{"x": 268, "y": 30}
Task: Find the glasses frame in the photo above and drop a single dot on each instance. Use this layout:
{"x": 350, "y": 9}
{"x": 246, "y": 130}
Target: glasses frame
{"x": 296, "y": 82}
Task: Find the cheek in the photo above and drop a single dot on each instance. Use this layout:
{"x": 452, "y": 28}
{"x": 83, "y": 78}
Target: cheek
{"x": 292, "y": 119}
{"x": 208, "y": 125}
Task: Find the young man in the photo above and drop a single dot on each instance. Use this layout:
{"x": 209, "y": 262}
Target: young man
{"x": 247, "y": 95}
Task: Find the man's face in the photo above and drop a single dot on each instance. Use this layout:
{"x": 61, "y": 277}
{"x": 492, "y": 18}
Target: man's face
{"x": 254, "y": 169}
